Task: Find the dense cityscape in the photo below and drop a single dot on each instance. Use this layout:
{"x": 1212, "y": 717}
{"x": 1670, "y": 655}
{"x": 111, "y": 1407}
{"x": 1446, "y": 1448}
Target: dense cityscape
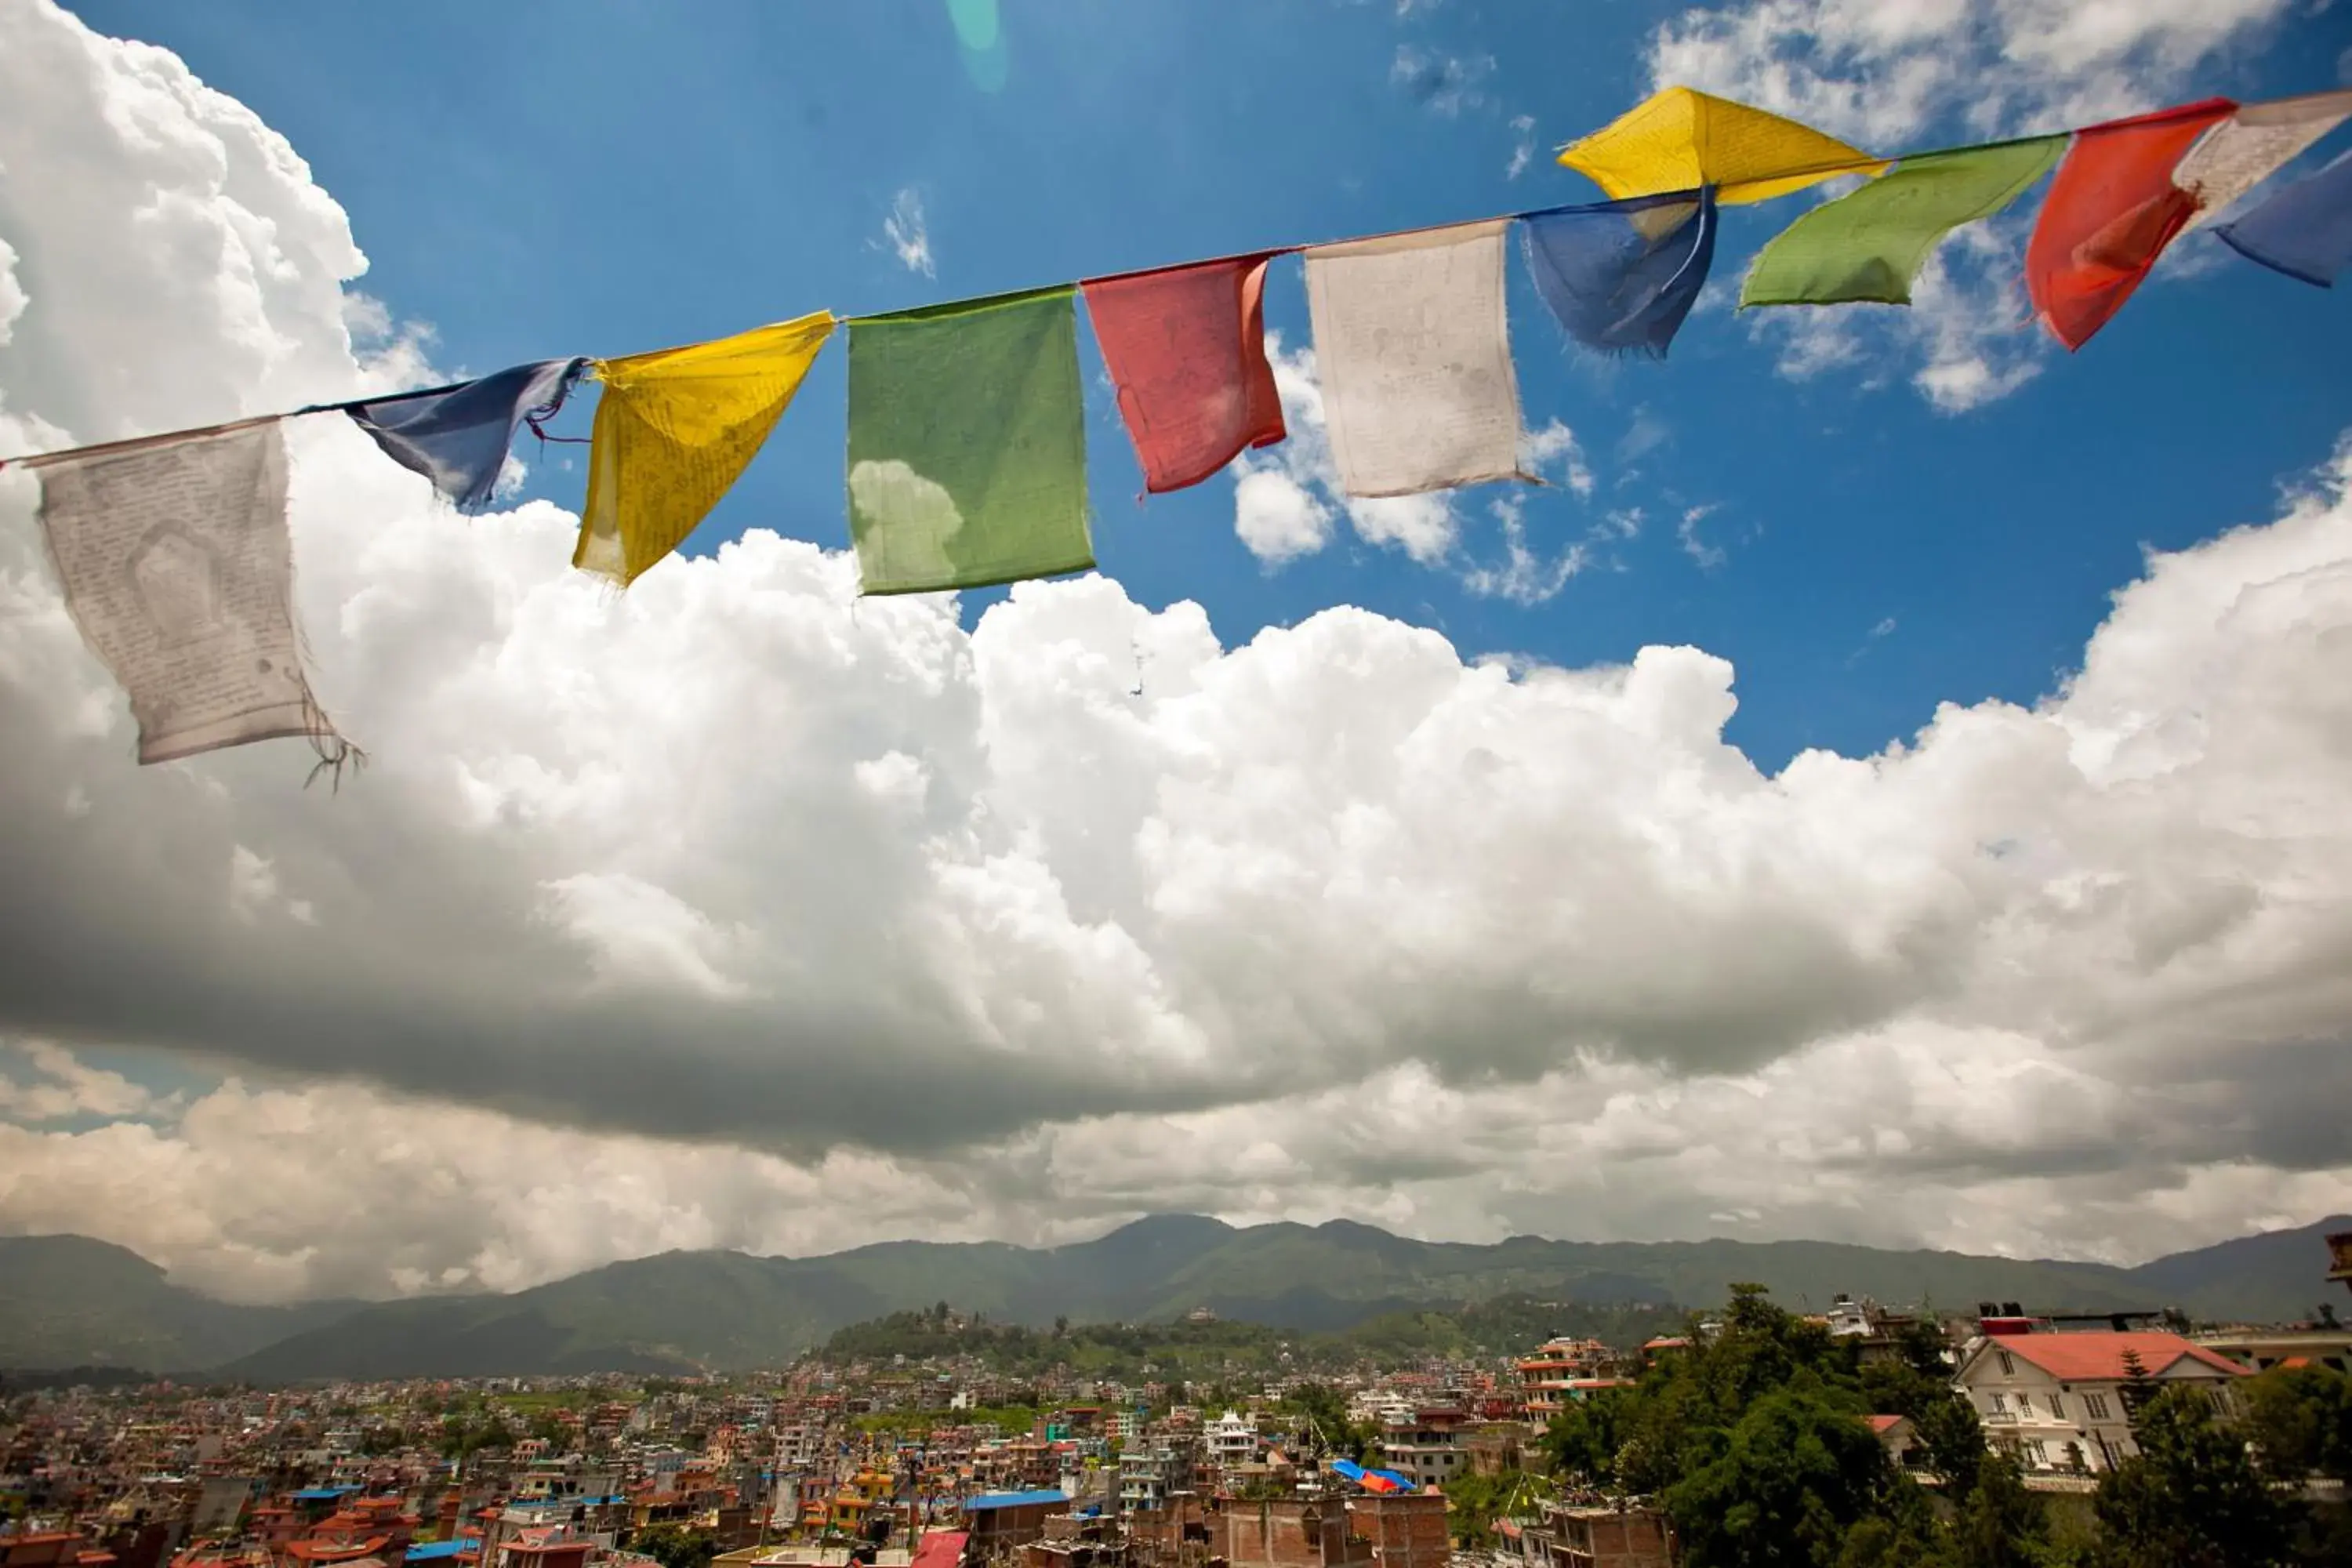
{"x": 935, "y": 1439}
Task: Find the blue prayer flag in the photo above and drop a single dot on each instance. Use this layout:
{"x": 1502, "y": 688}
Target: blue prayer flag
{"x": 457, "y": 436}
{"x": 2304, "y": 231}
{"x": 1621, "y": 275}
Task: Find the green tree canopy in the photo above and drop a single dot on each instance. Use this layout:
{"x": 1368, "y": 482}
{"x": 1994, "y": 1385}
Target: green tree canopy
{"x": 2192, "y": 1496}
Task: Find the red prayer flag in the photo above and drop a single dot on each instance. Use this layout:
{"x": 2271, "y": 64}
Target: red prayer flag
{"x": 1186, "y": 347}
{"x": 2110, "y": 212}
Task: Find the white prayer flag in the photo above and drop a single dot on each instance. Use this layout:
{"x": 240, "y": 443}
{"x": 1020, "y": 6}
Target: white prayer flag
{"x": 178, "y": 567}
{"x": 1415, "y": 355}
{"x": 2252, "y": 146}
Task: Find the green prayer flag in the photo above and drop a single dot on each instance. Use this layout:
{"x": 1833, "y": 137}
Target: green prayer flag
{"x": 968, "y": 444}
{"x": 1871, "y": 244}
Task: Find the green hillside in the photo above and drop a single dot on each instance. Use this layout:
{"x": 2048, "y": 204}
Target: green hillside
{"x": 69, "y": 1301}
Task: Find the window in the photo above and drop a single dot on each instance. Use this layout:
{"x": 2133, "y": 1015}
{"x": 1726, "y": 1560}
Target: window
{"x": 2094, "y": 1405}
{"x": 2008, "y": 1367}
{"x": 2057, "y": 1408}
{"x": 2025, "y": 1405}
{"x": 2036, "y": 1457}
{"x": 2000, "y": 1404}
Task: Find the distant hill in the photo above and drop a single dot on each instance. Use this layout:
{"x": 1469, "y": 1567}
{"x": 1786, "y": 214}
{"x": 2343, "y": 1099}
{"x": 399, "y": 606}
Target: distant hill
{"x": 71, "y": 1301}
{"x": 67, "y": 1300}
{"x": 2254, "y": 1279}
{"x": 1227, "y": 1350}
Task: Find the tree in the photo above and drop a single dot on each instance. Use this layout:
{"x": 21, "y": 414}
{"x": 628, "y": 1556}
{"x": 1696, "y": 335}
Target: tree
{"x": 1473, "y": 1503}
{"x": 1794, "y": 1476}
{"x": 2000, "y": 1524}
{"x": 1954, "y": 1437}
{"x": 673, "y": 1546}
{"x": 1584, "y": 1439}
{"x": 2137, "y": 1388}
{"x": 2299, "y": 1421}
{"x": 2192, "y": 1496}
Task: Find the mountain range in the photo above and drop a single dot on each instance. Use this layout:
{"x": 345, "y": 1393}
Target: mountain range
{"x": 69, "y": 1300}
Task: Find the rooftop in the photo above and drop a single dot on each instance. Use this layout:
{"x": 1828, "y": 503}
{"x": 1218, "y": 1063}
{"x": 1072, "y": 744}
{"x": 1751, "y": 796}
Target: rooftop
{"x": 2099, "y": 1357}
{"x": 1014, "y": 1499}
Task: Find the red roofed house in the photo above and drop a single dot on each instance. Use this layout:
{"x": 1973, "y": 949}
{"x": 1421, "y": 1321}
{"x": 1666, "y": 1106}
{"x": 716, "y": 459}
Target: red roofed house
{"x": 1899, "y": 1438}
{"x": 2055, "y": 1400}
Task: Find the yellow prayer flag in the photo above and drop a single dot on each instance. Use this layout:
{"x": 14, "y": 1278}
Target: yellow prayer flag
{"x": 674, "y": 429}
{"x": 1679, "y": 140}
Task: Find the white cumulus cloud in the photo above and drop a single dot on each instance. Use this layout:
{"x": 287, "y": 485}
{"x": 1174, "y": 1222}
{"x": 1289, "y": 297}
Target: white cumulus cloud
{"x": 736, "y": 910}
{"x": 1895, "y": 77}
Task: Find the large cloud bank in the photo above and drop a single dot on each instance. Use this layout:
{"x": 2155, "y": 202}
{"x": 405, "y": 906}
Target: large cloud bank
{"x": 734, "y": 912}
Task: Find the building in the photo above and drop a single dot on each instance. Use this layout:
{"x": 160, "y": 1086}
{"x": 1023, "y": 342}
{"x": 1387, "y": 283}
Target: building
{"x": 1495, "y": 1450}
{"x": 1290, "y": 1533}
{"x": 2259, "y": 1349}
{"x": 1563, "y": 1369}
{"x": 1230, "y": 1440}
{"x": 2339, "y": 1257}
{"x": 998, "y": 1523}
{"x": 1578, "y": 1537}
{"x": 2055, "y": 1400}
{"x": 1900, "y": 1438}
{"x": 1149, "y": 1475}
{"x": 1424, "y": 1451}
{"x": 1406, "y": 1530}
{"x": 49, "y": 1549}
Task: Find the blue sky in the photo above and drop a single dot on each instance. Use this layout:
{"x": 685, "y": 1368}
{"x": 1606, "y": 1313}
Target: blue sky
{"x": 733, "y": 911}
{"x": 616, "y": 178}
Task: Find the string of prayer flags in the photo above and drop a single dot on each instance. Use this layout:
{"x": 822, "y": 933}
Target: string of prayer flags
{"x": 177, "y": 566}
{"x": 1186, "y": 349}
{"x": 1410, "y": 334}
{"x": 2254, "y": 143}
{"x": 1679, "y": 140}
{"x": 968, "y": 444}
{"x": 2304, "y": 230}
{"x": 1870, "y": 244}
{"x": 457, "y": 437}
{"x": 1620, "y": 277}
{"x": 675, "y": 428}
{"x": 2109, "y": 214}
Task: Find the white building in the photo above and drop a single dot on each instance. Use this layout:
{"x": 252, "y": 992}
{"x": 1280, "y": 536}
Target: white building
{"x": 1232, "y": 1439}
{"x": 1425, "y": 1454}
{"x": 800, "y": 1446}
{"x": 1149, "y": 1477}
{"x": 2055, "y": 1400}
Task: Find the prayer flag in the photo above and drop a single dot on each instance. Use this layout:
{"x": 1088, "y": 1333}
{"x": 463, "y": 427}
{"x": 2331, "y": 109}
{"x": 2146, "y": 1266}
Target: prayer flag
{"x": 2109, "y": 214}
{"x": 674, "y": 429}
{"x": 1418, "y": 389}
{"x": 2305, "y": 231}
{"x": 968, "y": 444}
{"x": 1678, "y": 140}
{"x": 1620, "y": 277}
{"x": 1871, "y": 244}
{"x": 1186, "y": 348}
{"x": 457, "y": 437}
{"x": 2254, "y": 144}
{"x": 178, "y": 567}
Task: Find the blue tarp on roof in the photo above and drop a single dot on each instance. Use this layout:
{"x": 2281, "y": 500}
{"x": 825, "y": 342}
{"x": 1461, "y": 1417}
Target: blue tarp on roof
{"x": 324, "y": 1494}
{"x": 428, "y": 1551}
{"x": 1014, "y": 1499}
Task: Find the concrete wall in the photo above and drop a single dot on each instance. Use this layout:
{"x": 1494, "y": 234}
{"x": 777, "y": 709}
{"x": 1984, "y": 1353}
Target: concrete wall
{"x": 1406, "y": 1530}
{"x": 1286, "y": 1534}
